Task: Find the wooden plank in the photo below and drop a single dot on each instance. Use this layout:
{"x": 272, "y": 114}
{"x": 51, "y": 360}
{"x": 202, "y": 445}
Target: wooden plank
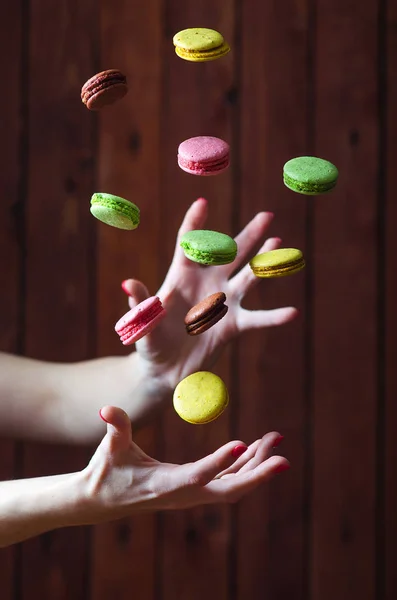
{"x": 388, "y": 208}
{"x": 345, "y": 304}
{"x": 59, "y": 257}
{"x": 271, "y": 552}
{"x": 10, "y": 232}
{"x": 198, "y": 99}
{"x": 129, "y": 165}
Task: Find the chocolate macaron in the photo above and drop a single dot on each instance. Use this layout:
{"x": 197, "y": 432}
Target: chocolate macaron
{"x": 206, "y": 313}
{"x": 103, "y": 89}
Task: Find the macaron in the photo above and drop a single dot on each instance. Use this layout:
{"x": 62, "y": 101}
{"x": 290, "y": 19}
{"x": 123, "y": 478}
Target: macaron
{"x": 277, "y": 263}
{"x": 204, "y": 155}
{"x": 310, "y": 175}
{"x": 115, "y": 211}
{"x": 200, "y": 398}
{"x": 104, "y": 89}
{"x": 200, "y": 44}
{"x": 206, "y": 313}
{"x": 209, "y": 247}
{"x": 140, "y": 321}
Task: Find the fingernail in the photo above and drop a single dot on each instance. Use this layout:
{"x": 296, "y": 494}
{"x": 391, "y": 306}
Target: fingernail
{"x": 124, "y": 287}
{"x": 281, "y": 468}
{"x": 279, "y": 240}
{"x": 102, "y": 417}
{"x": 278, "y": 441}
{"x": 238, "y": 451}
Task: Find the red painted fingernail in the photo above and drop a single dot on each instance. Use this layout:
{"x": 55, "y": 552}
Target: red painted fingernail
{"x": 102, "y": 417}
{"x": 238, "y": 451}
{"x": 281, "y": 468}
{"x": 278, "y": 441}
{"x": 124, "y": 288}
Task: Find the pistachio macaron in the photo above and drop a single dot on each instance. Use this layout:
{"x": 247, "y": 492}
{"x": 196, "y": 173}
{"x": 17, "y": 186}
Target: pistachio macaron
{"x": 115, "y": 211}
{"x": 310, "y": 175}
{"x": 209, "y": 247}
{"x": 200, "y": 398}
{"x": 200, "y": 44}
{"x": 277, "y": 263}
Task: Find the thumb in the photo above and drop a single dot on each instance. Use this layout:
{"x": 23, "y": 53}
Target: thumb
{"x": 118, "y": 426}
{"x": 136, "y": 291}
{"x": 206, "y": 469}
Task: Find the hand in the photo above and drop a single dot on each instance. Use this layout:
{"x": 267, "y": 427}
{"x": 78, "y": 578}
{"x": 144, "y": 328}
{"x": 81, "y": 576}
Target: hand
{"x": 168, "y": 352}
{"x": 123, "y": 479}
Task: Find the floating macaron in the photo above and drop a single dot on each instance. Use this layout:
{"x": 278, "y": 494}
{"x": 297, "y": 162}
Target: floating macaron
{"x": 310, "y": 175}
{"x": 200, "y": 398}
{"x": 206, "y": 313}
{"x": 140, "y": 321}
{"x": 204, "y": 155}
{"x": 104, "y": 89}
{"x": 209, "y": 247}
{"x": 200, "y": 44}
{"x": 115, "y": 211}
{"x": 277, "y": 263}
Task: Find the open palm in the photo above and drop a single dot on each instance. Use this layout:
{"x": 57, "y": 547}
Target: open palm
{"x": 168, "y": 350}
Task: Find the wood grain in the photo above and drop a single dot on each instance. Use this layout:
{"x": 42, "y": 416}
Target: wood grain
{"x": 59, "y": 253}
{"x": 271, "y": 363}
{"x": 345, "y": 305}
{"x": 197, "y": 100}
{"x": 11, "y": 231}
{"x": 388, "y": 263}
{"x": 123, "y": 553}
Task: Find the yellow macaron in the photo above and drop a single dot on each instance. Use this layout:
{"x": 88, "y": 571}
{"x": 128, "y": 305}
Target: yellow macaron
{"x": 200, "y": 398}
{"x": 200, "y": 44}
{"x": 277, "y": 263}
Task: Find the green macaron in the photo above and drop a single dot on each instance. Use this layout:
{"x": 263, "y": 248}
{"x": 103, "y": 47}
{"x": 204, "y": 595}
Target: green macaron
{"x": 310, "y": 175}
{"x": 209, "y": 247}
{"x": 115, "y": 211}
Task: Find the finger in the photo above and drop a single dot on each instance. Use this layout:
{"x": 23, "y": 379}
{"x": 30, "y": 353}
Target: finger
{"x": 203, "y": 471}
{"x": 264, "y": 451}
{"x": 252, "y": 448}
{"x": 118, "y": 426}
{"x": 244, "y": 280}
{"x": 249, "y": 239}
{"x": 258, "y": 319}
{"x": 233, "y": 488}
{"x": 257, "y": 452}
{"x": 195, "y": 218}
{"x": 136, "y": 291}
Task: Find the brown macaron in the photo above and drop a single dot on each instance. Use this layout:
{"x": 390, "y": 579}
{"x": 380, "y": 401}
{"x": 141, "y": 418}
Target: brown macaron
{"x": 103, "y": 89}
{"x": 206, "y": 313}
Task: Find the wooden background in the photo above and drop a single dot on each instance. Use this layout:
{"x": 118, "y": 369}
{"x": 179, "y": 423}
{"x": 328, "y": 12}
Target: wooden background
{"x": 304, "y": 76}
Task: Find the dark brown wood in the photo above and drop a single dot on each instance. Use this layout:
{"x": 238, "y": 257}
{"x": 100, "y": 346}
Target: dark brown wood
{"x": 123, "y": 553}
{"x": 10, "y": 234}
{"x": 59, "y": 256}
{"x": 196, "y": 101}
{"x": 388, "y": 213}
{"x": 270, "y": 543}
{"x": 345, "y": 305}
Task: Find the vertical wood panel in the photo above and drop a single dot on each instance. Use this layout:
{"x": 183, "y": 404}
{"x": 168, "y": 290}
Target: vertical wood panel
{"x": 129, "y": 166}
{"x": 345, "y": 295}
{"x": 389, "y": 303}
{"x": 10, "y": 228}
{"x": 197, "y": 100}
{"x": 271, "y": 364}
{"x": 61, "y": 162}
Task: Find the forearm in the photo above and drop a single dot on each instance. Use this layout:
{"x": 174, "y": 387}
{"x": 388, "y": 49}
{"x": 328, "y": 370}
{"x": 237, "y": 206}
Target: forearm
{"x": 60, "y": 402}
{"x": 30, "y": 507}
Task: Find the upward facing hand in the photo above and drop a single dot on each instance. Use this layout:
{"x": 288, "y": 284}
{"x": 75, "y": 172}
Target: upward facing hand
{"x": 168, "y": 351}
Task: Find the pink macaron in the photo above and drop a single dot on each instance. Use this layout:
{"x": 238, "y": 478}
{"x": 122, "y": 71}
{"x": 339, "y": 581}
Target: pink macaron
{"x": 204, "y": 155}
{"x": 140, "y": 321}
